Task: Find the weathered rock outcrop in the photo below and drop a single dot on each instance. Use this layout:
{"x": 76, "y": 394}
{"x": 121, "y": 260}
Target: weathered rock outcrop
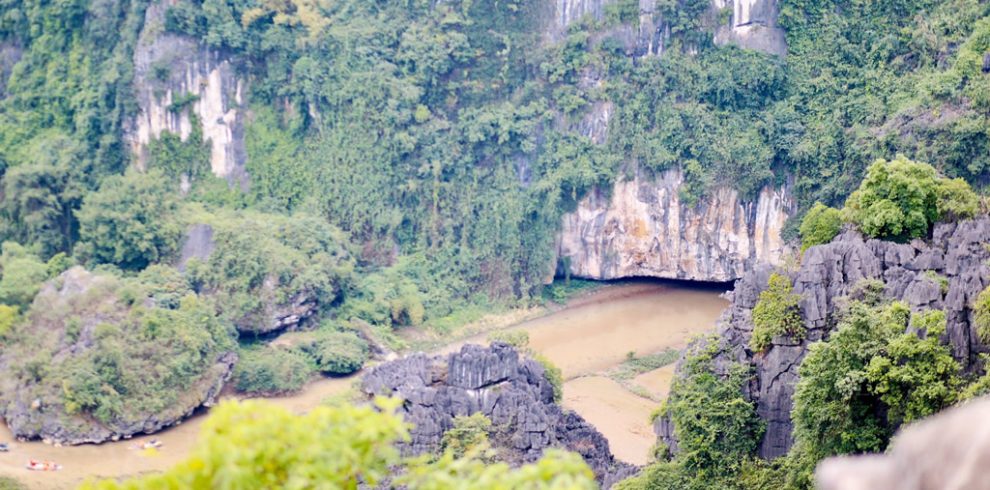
{"x": 950, "y": 451}
{"x": 65, "y": 337}
{"x": 510, "y": 390}
{"x": 180, "y": 82}
{"x": 644, "y": 229}
{"x": 946, "y": 273}
{"x": 753, "y": 26}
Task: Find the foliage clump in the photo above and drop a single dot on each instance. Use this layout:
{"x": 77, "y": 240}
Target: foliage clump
{"x": 820, "y": 225}
{"x": 261, "y": 263}
{"x": 776, "y": 313}
{"x": 336, "y": 352}
{"x": 902, "y": 199}
{"x": 883, "y": 367}
{"x": 131, "y": 222}
{"x": 338, "y": 447}
{"x": 716, "y": 428}
{"x": 271, "y": 371}
{"x": 469, "y": 432}
{"x": 981, "y": 314}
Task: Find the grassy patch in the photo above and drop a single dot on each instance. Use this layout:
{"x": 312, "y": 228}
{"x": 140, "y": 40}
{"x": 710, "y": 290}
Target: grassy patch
{"x": 635, "y": 365}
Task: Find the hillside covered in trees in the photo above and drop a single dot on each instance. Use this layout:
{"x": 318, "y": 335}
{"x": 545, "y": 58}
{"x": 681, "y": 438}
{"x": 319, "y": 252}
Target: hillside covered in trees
{"x": 182, "y": 180}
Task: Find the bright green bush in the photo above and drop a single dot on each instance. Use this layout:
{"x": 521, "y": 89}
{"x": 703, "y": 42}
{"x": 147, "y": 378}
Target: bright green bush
{"x": 516, "y": 338}
{"x": 869, "y": 377}
{"x": 820, "y": 225}
{"x": 131, "y": 222}
{"x": 902, "y": 199}
{"x": 552, "y": 373}
{"x": 981, "y": 314}
{"x": 336, "y": 353}
{"x": 21, "y": 275}
{"x": 715, "y": 426}
{"x": 776, "y": 313}
{"x": 270, "y": 371}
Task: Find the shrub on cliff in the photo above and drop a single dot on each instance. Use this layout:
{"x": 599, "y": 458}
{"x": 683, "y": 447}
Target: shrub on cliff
{"x": 776, "y": 313}
{"x": 469, "y": 432}
{"x": 336, "y": 353}
{"x": 264, "y": 267}
{"x": 902, "y": 199}
{"x": 130, "y": 222}
{"x": 981, "y": 314}
{"x": 257, "y": 445}
{"x": 21, "y": 275}
{"x": 271, "y": 371}
{"x": 820, "y": 225}
{"x": 715, "y": 426}
{"x": 869, "y": 377}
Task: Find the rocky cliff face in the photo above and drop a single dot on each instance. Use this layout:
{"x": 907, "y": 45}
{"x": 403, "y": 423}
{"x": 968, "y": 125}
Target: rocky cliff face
{"x": 179, "y": 82}
{"x": 644, "y": 229}
{"x": 948, "y": 451}
{"x": 496, "y": 381}
{"x": 912, "y": 273}
{"x": 753, "y": 26}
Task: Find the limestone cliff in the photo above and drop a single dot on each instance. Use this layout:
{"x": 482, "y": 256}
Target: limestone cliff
{"x": 643, "y": 228}
{"x": 497, "y": 382}
{"x": 179, "y": 82}
{"x": 753, "y": 25}
{"x": 912, "y": 273}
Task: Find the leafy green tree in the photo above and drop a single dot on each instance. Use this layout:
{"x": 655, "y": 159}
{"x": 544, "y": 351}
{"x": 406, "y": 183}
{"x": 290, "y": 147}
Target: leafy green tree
{"x": 22, "y": 275}
{"x": 131, "y": 222}
{"x": 902, "y": 199}
{"x": 777, "y": 312}
{"x": 715, "y": 426}
{"x": 336, "y": 353}
{"x": 271, "y": 371}
{"x": 820, "y": 225}
{"x": 916, "y": 374}
{"x": 981, "y": 314}
{"x": 869, "y": 377}
{"x": 39, "y": 197}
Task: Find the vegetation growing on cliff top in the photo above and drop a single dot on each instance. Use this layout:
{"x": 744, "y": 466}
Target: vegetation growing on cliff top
{"x": 776, "y": 313}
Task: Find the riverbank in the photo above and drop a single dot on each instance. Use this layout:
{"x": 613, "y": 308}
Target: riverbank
{"x": 586, "y": 337}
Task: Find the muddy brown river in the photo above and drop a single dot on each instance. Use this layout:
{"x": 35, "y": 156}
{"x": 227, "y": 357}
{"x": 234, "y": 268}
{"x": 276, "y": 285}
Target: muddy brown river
{"x": 587, "y": 338}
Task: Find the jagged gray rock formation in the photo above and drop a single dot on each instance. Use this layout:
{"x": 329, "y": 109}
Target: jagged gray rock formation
{"x": 949, "y": 451}
{"x": 169, "y": 68}
{"x": 496, "y": 381}
{"x": 642, "y": 228}
{"x": 913, "y": 273}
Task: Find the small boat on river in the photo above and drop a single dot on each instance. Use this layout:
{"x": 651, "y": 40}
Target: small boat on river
{"x": 42, "y": 466}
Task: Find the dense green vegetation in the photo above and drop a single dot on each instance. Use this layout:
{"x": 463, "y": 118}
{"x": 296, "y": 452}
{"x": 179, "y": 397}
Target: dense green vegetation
{"x": 255, "y": 445}
{"x": 901, "y": 199}
{"x": 409, "y": 164}
{"x": 716, "y": 428}
{"x": 270, "y": 371}
{"x": 132, "y": 346}
{"x": 776, "y": 313}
